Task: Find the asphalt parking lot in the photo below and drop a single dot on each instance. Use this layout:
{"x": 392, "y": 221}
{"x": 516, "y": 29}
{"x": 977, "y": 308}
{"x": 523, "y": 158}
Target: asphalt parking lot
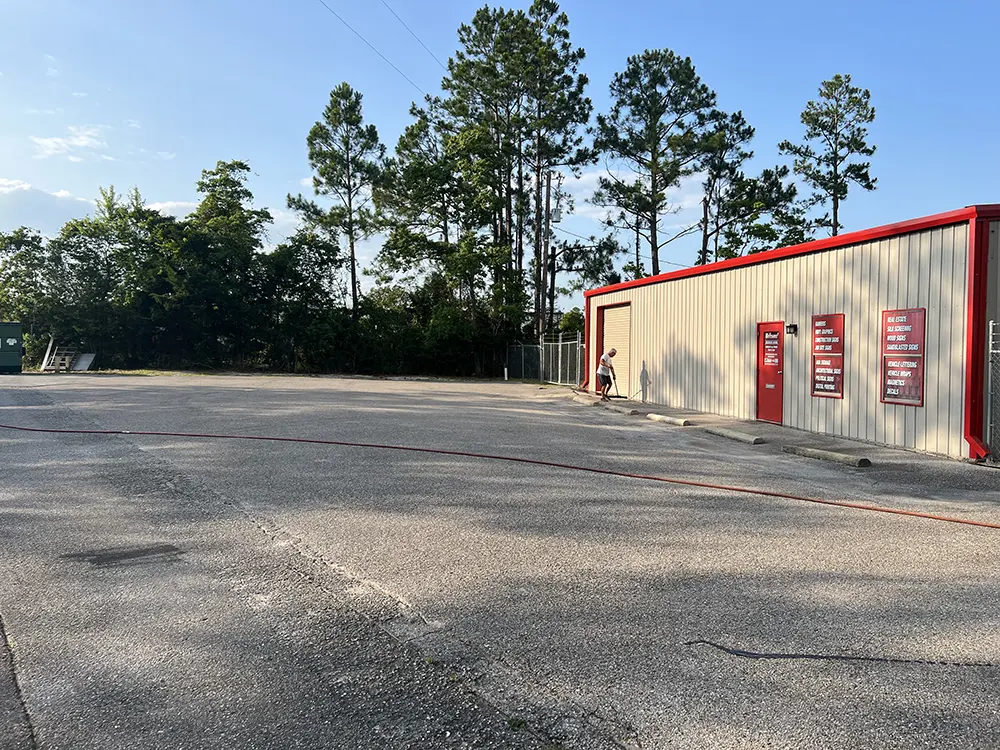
{"x": 206, "y": 593}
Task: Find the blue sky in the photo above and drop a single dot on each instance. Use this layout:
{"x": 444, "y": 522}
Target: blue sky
{"x": 149, "y": 93}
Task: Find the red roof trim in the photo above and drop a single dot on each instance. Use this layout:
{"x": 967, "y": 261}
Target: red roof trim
{"x": 991, "y": 211}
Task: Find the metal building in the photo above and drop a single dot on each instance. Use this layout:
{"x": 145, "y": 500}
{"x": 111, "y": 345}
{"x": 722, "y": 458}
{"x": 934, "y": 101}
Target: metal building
{"x": 878, "y": 335}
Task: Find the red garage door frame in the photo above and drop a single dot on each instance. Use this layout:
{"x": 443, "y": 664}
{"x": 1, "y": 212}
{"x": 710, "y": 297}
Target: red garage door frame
{"x": 599, "y": 338}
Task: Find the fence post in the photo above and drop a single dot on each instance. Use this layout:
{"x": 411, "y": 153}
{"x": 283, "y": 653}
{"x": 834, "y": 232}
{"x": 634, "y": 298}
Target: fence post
{"x": 579, "y": 358}
{"x": 559, "y": 377}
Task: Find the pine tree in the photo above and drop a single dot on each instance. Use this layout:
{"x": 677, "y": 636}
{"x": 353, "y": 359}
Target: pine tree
{"x": 837, "y": 124}
{"x": 655, "y": 130}
{"x": 347, "y": 159}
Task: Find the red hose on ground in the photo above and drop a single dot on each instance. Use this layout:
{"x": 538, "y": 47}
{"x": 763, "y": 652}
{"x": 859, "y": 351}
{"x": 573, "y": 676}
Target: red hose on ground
{"x": 533, "y": 461}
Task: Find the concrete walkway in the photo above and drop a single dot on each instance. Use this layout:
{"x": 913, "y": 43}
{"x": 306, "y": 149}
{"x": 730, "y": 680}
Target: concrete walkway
{"x": 774, "y": 435}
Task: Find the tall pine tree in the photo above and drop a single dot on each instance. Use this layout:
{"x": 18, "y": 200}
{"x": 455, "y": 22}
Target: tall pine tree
{"x": 837, "y": 125}
{"x": 347, "y": 159}
{"x": 655, "y": 132}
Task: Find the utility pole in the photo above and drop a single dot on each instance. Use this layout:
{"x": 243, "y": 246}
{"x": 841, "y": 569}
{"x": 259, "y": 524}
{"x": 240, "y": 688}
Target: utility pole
{"x": 638, "y": 240}
{"x": 545, "y": 255}
{"x": 555, "y": 216}
{"x": 638, "y": 226}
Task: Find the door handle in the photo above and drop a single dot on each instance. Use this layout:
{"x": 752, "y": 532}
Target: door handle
{"x": 780, "y": 371}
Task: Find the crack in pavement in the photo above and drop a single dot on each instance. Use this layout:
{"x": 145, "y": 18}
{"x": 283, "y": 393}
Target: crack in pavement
{"x": 834, "y": 657}
{"x": 7, "y": 649}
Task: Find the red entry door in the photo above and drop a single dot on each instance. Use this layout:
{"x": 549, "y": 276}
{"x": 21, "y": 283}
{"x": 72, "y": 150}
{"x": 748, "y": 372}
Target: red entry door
{"x": 770, "y": 366}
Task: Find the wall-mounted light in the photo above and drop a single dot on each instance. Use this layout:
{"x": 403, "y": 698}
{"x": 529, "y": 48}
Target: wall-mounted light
{"x": 792, "y": 329}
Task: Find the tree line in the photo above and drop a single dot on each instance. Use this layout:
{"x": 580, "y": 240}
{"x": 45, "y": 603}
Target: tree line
{"x": 466, "y": 203}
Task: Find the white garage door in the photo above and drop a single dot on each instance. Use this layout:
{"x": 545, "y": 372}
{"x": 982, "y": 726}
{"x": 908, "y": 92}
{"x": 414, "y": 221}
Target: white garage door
{"x": 618, "y": 335}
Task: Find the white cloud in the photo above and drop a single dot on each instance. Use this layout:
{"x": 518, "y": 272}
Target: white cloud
{"x": 284, "y": 220}
{"x": 306, "y": 182}
{"x": 75, "y": 159}
{"x": 57, "y": 111}
{"x": 79, "y": 94}
{"x": 81, "y": 137}
{"x": 9, "y": 186}
{"x": 179, "y": 209}
{"x": 133, "y": 124}
{"x": 33, "y": 207}
{"x": 50, "y": 58}
{"x": 108, "y": 158}
{"x": 682, "y": 199}
{"x": 52, "y": 73}
{"x": 166, "y": 155}
{"x": 581, "y": 190}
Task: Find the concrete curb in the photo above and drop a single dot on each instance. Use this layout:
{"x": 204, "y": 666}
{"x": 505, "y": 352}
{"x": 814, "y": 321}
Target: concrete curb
{"x": 621, "y": 409}
{"x": 822, "y": 455}
{"x": 743, "y": 437}
{"x": 586, "y": 401}
{"x": 669, "y": 420}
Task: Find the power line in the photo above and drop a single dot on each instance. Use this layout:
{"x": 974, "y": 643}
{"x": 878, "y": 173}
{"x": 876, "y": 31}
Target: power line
{"x": 647, "y": 257}
{"x": 372, "y": 46}
{"x": 443, "y": 66}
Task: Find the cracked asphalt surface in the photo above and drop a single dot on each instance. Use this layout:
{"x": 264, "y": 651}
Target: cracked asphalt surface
{"x": 185, "y": 593}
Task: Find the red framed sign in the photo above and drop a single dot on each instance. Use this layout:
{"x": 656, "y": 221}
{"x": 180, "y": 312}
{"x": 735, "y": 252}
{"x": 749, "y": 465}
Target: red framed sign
{"x": 828, "y": 356}
{"x": 903, "y": 336}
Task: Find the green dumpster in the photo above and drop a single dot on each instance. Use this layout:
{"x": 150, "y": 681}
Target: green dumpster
{"x": 11, "y": 347}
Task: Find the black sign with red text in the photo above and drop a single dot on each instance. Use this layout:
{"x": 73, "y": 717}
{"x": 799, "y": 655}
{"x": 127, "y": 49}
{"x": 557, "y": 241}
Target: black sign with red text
{"x": 828, "y": 355}
{"x": 903, "y": 357}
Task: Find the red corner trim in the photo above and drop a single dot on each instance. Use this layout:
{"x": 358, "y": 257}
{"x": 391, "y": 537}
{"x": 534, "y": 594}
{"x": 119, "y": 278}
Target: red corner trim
{"x": 829, "y": 243}
{"x": 975, "y": 341}
{"x": 586, "y": 343}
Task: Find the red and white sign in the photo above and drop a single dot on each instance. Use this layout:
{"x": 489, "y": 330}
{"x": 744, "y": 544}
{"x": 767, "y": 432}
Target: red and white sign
{"x": 828, "y": 355}
{"x": 903, "y": 357}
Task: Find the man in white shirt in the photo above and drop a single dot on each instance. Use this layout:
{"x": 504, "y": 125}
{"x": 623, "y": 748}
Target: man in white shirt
{"x": 605, "y": 372}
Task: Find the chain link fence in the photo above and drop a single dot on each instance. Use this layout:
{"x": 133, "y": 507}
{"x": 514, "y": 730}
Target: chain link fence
{"x": 556, "y": 359}
{"x": 993, "y": 393}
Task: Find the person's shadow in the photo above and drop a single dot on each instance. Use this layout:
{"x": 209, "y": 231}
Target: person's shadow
{"x": 644, "y": 381}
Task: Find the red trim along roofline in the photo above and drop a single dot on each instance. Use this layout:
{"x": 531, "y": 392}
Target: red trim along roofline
{"x": 970, "y": 213}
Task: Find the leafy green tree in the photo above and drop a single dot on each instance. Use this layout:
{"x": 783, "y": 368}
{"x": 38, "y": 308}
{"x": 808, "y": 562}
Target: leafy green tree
{"x": 107, "y": 272}
{"x": 655, "y": 130}
{"x": 219, "y": 277}
{"x": 26, "y": 291}
{"x": 347, "y": 159}
{"x": 837, "y": 125}
{"x": 306, "y": 291}
{"x": 572, "y": 321}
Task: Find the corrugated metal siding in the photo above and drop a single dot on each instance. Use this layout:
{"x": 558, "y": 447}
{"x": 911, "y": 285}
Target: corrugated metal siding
{"x": 618, "y": 335}
{"x": 697, "y": 336}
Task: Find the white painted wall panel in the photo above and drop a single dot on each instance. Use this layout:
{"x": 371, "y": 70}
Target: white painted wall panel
{"x": 697, "y": 335}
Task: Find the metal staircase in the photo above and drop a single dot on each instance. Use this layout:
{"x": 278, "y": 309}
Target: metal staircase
{"x": 65, "y": 359}
{"x": 60, "y": 359}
